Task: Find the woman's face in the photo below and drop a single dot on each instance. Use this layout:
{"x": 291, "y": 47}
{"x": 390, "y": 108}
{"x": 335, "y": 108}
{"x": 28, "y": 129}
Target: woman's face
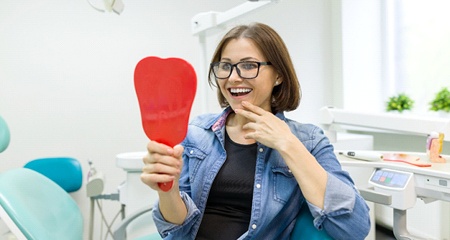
{"x": 235, "y": 89}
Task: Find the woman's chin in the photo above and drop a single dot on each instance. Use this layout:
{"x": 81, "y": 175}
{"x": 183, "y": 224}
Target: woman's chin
{"x": 236, "y": 106}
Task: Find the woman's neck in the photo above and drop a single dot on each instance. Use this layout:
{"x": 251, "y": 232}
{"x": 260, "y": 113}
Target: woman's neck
{"x": 234, "y": 128}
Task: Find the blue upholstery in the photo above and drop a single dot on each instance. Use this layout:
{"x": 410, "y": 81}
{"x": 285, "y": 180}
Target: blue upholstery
{"x": 304, "y": 227}
{"x": 39, "y": 207}
{"x": 4, "y": 135}
{"x": 64, "y": 171}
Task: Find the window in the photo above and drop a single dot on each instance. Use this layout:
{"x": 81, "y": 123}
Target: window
{"x": 417, "y": 44}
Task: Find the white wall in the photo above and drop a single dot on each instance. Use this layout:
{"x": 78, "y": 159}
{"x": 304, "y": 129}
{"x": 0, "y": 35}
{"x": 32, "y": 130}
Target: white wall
{"x": 357, "y": 55}
{"x": 66, "y": 72}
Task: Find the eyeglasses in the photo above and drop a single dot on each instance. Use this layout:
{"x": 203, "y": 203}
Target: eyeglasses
{"x": 246, "y": 70}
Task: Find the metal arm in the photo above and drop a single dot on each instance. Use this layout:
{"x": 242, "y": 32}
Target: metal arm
{"x": 411, "y": 124}
{"x": 121, "y": 232}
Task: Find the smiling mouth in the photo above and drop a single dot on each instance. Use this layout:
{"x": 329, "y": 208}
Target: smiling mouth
{"x": 239, "y": 91}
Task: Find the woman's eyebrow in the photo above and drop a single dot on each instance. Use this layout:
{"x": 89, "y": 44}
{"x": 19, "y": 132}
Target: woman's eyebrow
{"x": 248, "y": 58}
{"x": 241, "y": 60}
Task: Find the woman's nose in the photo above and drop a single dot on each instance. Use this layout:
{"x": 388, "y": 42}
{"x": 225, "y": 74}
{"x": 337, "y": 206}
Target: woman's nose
{"x": 234, "y": 76}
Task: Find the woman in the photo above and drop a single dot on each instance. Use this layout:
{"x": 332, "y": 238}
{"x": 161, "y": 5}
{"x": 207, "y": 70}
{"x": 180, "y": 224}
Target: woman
{"x": 246, "y": 172}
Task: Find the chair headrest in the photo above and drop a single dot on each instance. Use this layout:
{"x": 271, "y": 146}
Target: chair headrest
{"x": 65, "y": 171}
{"x": 4, "y": 135}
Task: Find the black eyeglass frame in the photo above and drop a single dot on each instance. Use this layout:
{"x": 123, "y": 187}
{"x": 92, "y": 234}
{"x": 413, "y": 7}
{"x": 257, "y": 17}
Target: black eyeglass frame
{"x": 214, "y": 64}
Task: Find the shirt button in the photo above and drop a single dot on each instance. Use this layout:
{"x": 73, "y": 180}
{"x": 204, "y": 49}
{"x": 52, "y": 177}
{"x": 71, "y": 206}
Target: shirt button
{"x": 258, "y": 185}
{"x": 289, "y": 170}
{"x": 191, "y": 152}
{"x": 254, "y": 226}
{"x": 261, "y": 150}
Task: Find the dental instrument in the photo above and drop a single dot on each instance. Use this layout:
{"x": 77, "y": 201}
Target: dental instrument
{"x": 363, "y": 155}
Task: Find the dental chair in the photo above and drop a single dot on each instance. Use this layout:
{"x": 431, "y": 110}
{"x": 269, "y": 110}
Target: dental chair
{"x": 35, "y": 207}
{"x": 4, "y": 135}
{"x": 304, "y": 228}
{"x": 35, "y": 203}
{"x": 64, "y": 171}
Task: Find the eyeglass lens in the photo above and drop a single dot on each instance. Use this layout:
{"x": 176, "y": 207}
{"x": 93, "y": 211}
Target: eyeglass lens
{"x": 244, "y": 69}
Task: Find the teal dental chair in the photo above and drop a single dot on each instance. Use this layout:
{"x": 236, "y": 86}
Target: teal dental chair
{"x": 34, "y": 206}
{"x": 34, "y": 200}
{"x": 304, "y": 228}
{"x": 4, "y": 135}
{"x": 64, "y": 171}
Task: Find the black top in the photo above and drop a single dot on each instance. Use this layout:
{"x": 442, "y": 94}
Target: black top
{"x": 229, "y": 206}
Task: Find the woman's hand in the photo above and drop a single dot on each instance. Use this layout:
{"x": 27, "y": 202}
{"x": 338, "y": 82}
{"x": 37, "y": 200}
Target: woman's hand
{"x": 267, "y": 128}
{"x": 275, "y": 133}
{"x": 162, "y": 164}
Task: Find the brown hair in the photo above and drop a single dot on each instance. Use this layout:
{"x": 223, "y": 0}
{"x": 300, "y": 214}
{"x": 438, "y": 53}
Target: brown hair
{"x": 287, "y": 95}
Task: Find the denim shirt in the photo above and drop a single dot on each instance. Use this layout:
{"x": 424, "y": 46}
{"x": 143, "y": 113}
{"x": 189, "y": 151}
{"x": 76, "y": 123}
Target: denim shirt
{"x": 277, "y": 198}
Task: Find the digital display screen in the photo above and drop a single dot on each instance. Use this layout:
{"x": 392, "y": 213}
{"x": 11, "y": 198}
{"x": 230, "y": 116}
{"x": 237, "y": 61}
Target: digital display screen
{"x": 390, "y": 178}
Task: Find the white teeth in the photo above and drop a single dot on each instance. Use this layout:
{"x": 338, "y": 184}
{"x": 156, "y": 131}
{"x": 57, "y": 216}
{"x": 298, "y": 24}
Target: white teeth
{"x": 240, "y": 90}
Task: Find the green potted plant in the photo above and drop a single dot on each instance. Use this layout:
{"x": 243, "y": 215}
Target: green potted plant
{"x": 399, "y": 103}
{"x": 441, "y": 102}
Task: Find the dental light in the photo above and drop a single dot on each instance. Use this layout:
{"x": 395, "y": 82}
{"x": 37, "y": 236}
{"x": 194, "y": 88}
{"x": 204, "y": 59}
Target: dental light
{"x": 109, "y": 5}
{"x": 210, "y": 20}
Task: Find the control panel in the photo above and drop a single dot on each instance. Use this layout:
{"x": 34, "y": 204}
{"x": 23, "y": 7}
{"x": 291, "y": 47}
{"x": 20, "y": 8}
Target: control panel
{"x": 400, "y": 185}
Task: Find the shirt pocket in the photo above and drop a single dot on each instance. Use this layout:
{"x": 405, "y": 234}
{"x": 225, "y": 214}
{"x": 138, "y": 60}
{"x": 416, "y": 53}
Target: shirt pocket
{"x": 195, "y": 157}
{"x": 284, "y": 183}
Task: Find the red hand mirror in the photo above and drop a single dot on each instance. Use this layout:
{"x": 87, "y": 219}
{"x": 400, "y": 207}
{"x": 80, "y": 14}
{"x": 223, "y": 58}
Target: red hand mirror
{"x": 165, "y": 89}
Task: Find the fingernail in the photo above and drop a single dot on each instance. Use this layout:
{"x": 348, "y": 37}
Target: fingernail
{"x": 170, "y": 151}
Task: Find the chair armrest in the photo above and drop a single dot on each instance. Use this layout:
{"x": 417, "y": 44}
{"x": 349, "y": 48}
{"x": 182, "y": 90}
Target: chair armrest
{"x": 369, "y": 194}
{"x": 121, "y": 232}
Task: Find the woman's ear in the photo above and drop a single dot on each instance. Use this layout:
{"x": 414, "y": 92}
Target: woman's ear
{"x": 278, "y": 81}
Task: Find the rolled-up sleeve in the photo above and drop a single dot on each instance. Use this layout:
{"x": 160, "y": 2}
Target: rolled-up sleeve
{"x": 166, "y": 228}
{"x": 339, "y": 199}
{"x": 343, "y": 208}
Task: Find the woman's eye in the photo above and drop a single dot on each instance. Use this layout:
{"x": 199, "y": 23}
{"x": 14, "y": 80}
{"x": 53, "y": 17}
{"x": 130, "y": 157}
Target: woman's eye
{"x": 225, "y": 66}
{"x": 249, "y": 66}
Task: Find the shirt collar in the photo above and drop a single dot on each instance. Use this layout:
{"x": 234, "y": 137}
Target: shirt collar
{"x": 220, "y": 122}
{"x": 222, "y": 119}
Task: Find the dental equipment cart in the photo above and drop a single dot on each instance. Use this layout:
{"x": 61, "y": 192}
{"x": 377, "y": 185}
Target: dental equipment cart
{"x": 398, "y": 185}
